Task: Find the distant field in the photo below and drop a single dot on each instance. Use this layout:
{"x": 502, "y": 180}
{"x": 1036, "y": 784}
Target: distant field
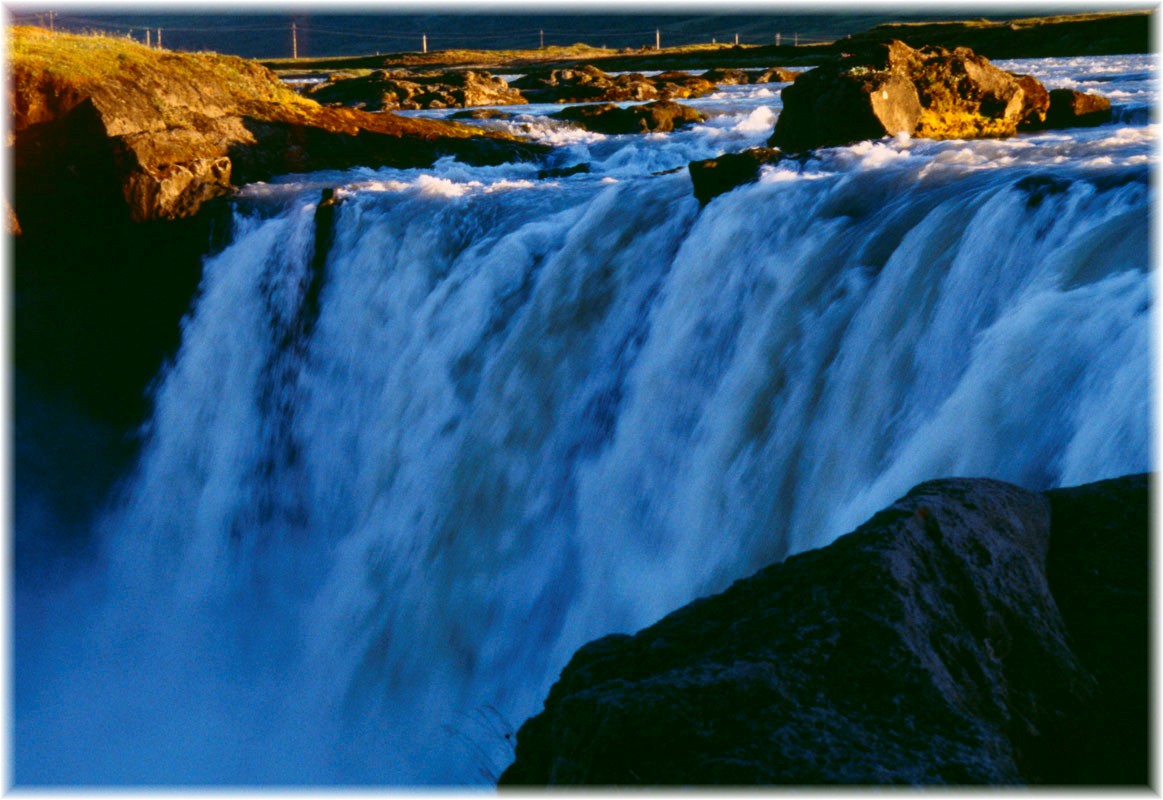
{"x": 1060, "y": 35}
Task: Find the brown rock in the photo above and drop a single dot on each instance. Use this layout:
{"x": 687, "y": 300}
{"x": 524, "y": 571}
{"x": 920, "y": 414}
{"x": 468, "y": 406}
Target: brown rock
{"x": 660, "y": 116}
{"x": 1035, "y": 103}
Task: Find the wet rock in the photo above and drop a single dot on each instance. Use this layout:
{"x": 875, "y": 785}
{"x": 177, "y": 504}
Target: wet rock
{"x": 564, "y": 172}
{"x": 932, "y": 92}
{"x": 714, "y": 176}
{"x": 948, "y": 640}
{"x": 1071, "y": 109}
{"x": 660, "y": 116}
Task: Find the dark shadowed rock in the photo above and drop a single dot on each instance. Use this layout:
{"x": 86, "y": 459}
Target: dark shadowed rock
{"x": 931, "y": 92}
{"x": 564, "y": 172}
{"x": 714, "y": 176}
{"x": 1069, "y": 108}
{"x": 1100, "y": 574}
{"x": 660, "y": 116}
{"x": 927, "y": 647}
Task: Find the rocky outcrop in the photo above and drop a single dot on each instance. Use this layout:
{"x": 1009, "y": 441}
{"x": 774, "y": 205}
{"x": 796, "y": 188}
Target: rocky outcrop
{"x": 972, "y": 633}
{"x": 931, "y": 92}
{"x": 383, "y": 90}
{"x": 588, "y": 84}
{"x": 661, "y": 116}
{"x": 105, "y": 126}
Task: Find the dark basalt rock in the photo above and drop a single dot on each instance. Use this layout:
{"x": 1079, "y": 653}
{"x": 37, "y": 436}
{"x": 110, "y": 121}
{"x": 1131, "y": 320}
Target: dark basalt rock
{"x": 714, "y": 176}
{"x": 960, "y": 636}
{"x": 564, "y": 172}
{"x": 1068, "y": 109}
{"x": 660, "y": 116}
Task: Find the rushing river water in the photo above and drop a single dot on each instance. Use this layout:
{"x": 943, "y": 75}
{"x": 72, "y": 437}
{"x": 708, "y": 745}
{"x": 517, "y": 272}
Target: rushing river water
{"x": 403, "y": 465}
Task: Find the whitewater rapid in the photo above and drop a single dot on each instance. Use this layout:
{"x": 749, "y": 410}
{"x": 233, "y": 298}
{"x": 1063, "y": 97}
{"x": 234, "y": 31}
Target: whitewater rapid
{"x": 418, "y": 447}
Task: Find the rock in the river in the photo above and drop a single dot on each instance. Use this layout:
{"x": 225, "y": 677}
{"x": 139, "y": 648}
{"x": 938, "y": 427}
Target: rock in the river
{"x": 936, "y": 644}
{"x": 588, "y": 84}
{"x": 931, "y": 92}
{"x": 714, "y": 176}
{"x": 660, "y": 116}
{"x": 400, "y": 90}
{"x": 1068, "y": 108}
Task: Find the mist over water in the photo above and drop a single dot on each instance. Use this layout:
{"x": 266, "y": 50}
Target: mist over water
{"x": 403, "y": 467}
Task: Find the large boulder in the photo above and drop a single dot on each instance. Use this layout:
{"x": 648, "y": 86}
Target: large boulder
{"x": 932, "y": 92}
{"x": 661, "y": 116}
{"x": 972, "y": 633}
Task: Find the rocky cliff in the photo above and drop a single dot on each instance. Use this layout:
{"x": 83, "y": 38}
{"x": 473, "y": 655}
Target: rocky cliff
{"x": 972, "y": 633}
{"x": 108, "y": 122}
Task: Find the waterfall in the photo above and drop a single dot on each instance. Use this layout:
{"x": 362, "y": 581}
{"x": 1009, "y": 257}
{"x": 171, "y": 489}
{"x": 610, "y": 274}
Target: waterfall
{"x": 416, "y": 450}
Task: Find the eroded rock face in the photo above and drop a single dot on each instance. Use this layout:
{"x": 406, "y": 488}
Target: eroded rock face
{"x": 660, "y": 116}
{"x": 932, "y": 92}
{"x": 926, "y": 647}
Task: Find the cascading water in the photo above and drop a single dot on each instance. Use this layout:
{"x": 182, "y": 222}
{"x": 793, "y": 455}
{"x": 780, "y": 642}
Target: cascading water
{"x": 417, "y": 449}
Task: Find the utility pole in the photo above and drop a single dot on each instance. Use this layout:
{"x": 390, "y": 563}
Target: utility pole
{"x": 796, "y": 41}
{"x": 736, "y": 40}
{"x": 294, "y": 40}
{"x": 542, "y": 39}
{"x": 148, "y": 31}
{"x": 159, "y": 38}
{"x": 424, "y": 42}
{"x": 657, "y": 39}
{"x": 52, "y": 19}
{"x": 777, "y": 40}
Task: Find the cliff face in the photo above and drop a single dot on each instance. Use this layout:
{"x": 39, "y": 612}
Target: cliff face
{"x": 164, "y": 132}
{"x": 972, "y": 633}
